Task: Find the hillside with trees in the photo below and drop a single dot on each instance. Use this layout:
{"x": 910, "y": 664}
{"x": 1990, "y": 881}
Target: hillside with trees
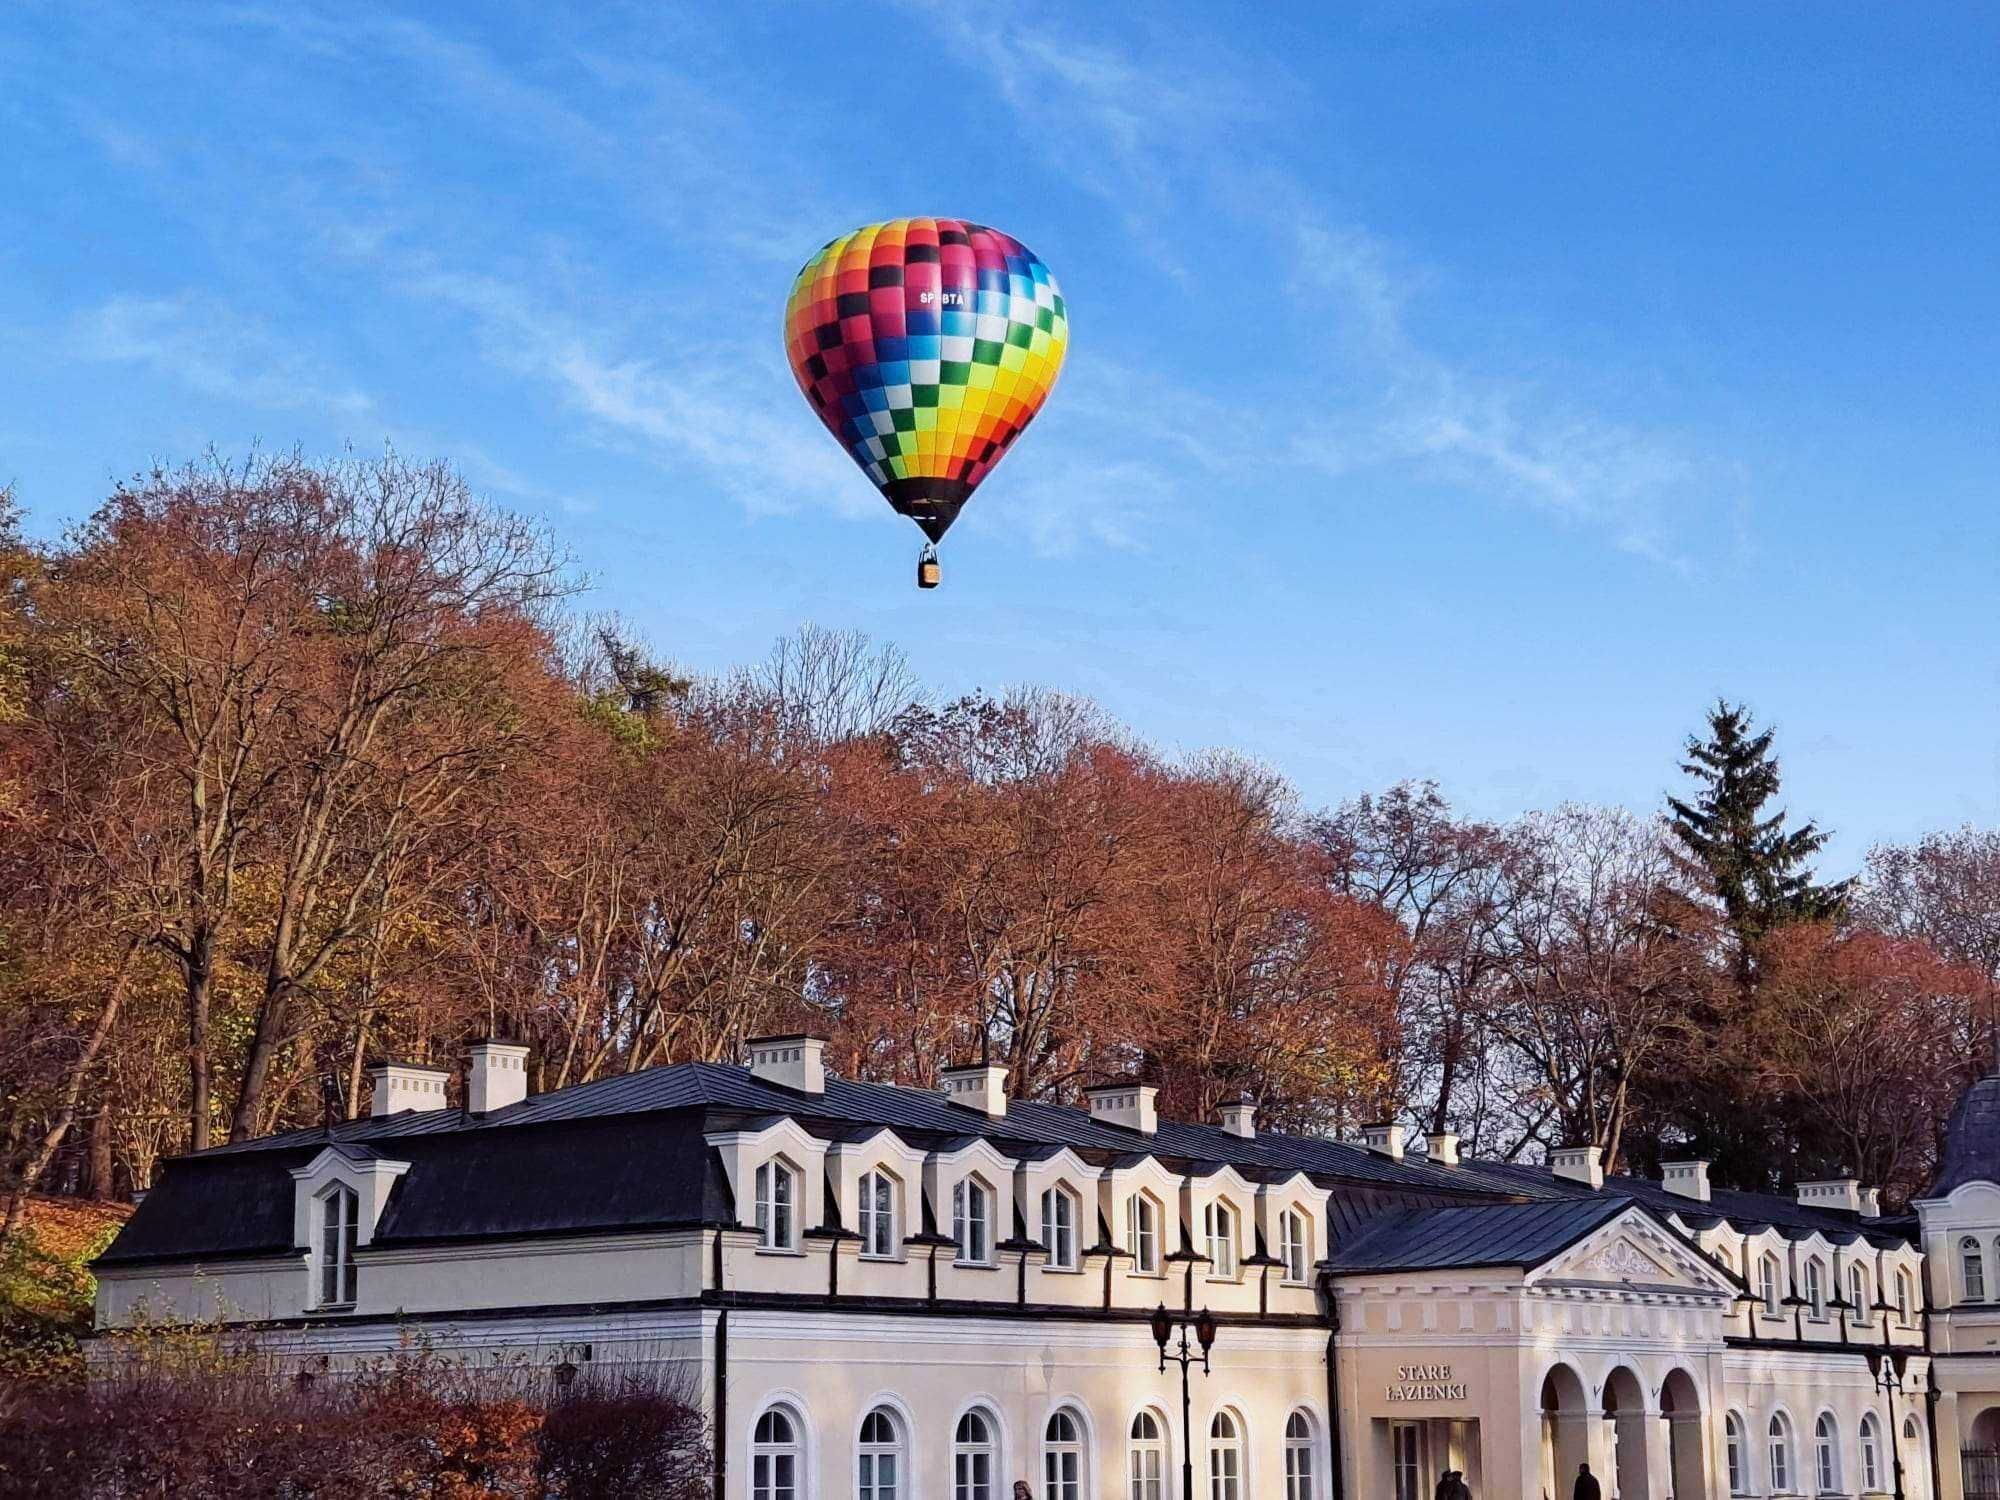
{"x": 306, "y": 765}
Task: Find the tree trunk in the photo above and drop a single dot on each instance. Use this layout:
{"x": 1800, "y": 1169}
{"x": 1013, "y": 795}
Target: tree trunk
{"x": 200, "y": 963}
{"x": 97, "y": 1181}
{"x": 107, "y": 1016}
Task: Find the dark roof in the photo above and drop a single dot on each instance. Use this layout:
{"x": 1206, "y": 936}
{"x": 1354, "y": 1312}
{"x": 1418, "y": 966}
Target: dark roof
{"x": 1470, "y": 1235}
{"x": 1745, "y": 1212}
{"x": 1027, "y": 1123}
{"x": 1971, "y": 1140}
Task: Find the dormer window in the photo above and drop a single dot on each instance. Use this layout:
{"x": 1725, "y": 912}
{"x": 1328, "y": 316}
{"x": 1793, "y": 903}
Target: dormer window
{"x": 971, "y": 1222}
{"x": 1972, "y": 1265}
{"x": 1059, "y": 1215}
{"x": 1294, "y": 1245}
{"x": 1219, "y": 1223}
{"x": 1816, "y": 1290}
{"x": 1768, "y": 1274}
{"x": 777, "y": 1206}
{"x": 1142, "y": 1233}
{"x": 1857, "y": 1291}
{"x": 340, "y": 1220}
{"x": 878, "y": 1216}
{"x": 1903, "y": 1298}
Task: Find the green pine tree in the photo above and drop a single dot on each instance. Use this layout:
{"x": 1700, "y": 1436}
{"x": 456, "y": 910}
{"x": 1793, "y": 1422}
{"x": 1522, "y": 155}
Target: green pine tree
{"x": 1760, "y": 870}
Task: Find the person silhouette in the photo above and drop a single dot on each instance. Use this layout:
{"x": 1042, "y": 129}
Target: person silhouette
{"x": 1587, "y": 1487}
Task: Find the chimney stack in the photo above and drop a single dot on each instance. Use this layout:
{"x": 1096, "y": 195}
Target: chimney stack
{"x": 1239, "y": 1118}
{"x": 1443, "y": 1147}
{"x": 1127, "y": 1104}
{"x": 1871, "y": 1203}
{"x": 1842, "y": 1194}
{"x": 401, "y": 1086}
{"x": 1384, "y": 1138}
{"x": 1584, "y": 1164}
{"x": 496, "y": 1075}
{"x": 1686, "y": 1179}
{"x": 983, "y": 1087}
{"x": 793, "y": 1062}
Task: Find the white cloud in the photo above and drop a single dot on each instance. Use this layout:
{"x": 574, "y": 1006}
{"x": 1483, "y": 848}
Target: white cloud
{"x": 212, "y": 349}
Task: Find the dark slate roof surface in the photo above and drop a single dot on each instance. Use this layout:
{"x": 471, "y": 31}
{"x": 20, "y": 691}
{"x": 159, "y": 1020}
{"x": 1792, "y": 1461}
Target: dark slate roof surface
{"x": 1971, "y": 1140}
{"x": 1470, "y": 1235}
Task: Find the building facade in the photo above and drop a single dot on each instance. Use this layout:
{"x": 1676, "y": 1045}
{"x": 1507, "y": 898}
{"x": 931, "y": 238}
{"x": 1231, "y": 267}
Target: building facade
{"x": 892, "y": 1294}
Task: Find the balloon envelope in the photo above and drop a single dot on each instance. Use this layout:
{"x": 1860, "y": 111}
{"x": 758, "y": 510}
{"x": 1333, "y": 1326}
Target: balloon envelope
{"x": 926, "y": 346}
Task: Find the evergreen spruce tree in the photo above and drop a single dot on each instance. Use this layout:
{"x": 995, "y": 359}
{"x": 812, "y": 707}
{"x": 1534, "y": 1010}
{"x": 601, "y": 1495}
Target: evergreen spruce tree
{"x": 1759, "y": 869}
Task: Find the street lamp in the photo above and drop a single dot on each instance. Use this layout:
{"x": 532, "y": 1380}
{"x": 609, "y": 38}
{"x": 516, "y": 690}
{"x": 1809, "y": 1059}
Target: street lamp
{"x": 1164, "y": 1325}
{"x": 1888, "y": 1368}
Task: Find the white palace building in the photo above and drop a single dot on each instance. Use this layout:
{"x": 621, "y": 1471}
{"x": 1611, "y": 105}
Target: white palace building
{"x": 888, "y": 1294}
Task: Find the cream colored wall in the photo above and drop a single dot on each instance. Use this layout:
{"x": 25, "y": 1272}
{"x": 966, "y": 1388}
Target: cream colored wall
{"x": 929, "y": 1370}
{"x": 234, "y": 1291}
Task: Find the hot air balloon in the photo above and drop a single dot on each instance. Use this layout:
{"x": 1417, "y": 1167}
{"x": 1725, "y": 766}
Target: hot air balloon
{"x": 926, "y": 346}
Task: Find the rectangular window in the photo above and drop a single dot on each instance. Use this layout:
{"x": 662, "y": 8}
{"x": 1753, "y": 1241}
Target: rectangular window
{"x": 339, "y": 1238}
{"x": 878, "y": 1217}
{"x": 1221, "y": 1240}
{"x": 776, "y": 1184}
{"x": 1059, "y": 1228}
{"x": 1142, "y": 1234}
{"x": 1296, "y": 1251}
{"x": 1406, "y": 1460}
{"x": 968, "y": 1214}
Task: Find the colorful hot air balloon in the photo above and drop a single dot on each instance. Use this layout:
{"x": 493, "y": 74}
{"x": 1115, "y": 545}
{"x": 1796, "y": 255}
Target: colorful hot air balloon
{"x": 926, "y": 346}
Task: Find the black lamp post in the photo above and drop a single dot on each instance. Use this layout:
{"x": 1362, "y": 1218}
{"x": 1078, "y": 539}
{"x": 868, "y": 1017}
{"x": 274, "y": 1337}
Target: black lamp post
{"x": 1888, "y": 1368}
{"x": 1164, "y": 1325}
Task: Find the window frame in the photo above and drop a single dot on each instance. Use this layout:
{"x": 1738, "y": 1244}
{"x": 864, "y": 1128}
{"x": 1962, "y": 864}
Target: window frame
{"x": 1826, "y": 1454}
{"x": 969, "y": 1191}
{"x": 1143, "y": 1240}
{"x": 1063, "y": 1255}
{"x": 1778, "y": 1451}
{"x": 1769, "y": 1280}
{"x": 337, "y": 1237}
{"x": 1869, "y": 1442}
{"x": 868, "y": 1456}
{"x": 1140, "y": 1485}
{"x": 1301, "y": 1455}
{"x": 1222, "y": 1233}
{"x": 1231, "y": 1480}
{"x": 1736, "y": 1454}
{"x": 1971, "y": 1269}
{"x": 1295, "y": 1238}
{"x": 1816, "y": 1289}
{"x": 876, "y": 1220}
{"x": 971, "y": 1486}
{"x": 767, "y": 1453}
{"x": 1857, "y": 1291}
{"x": 777, "y": 1213}
{"x": 1074, "y": 1485}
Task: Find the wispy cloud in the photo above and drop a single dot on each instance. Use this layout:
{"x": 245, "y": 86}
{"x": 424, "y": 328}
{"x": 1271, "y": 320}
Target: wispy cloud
{"x": 211, "y": 348}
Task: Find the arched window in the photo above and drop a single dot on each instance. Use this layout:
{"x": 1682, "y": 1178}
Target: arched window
{"x": 340, "y": 1215}
{"x": 1738, "y": 1455}
{"x": 1780, "y": 1435}
{"x": 882, "y": 1461}
{"x": 1059, "y": 1216}
{"x": 1062, "y": 1458}
{"x": 777, "y": 1206}
{"x": 1904, "y": 1298}
{"x": 973, "y": 1458}
{"x": 1219, "y": 1224}
{"x": 1816, "y": 1288}
{"x": 1768, "y": 1283}
{"x": 1295, "y": 1245}
{"x": 1857, "y": 1291}
{"x": 1972, "y": 1267}
{"x": 1826, "y": 1454}
{"x": 878, "y": 1216}
{"x": 1147, "y": 1470}
{"x": 775, "y": 1459}
{"x": 971, "y": 1221}
{"x": 1142, "y": 1233}
{"x": 1299, "y": 1458}
{"x": 1225, "y": 1458}
{"x": 1871, "y": 1453}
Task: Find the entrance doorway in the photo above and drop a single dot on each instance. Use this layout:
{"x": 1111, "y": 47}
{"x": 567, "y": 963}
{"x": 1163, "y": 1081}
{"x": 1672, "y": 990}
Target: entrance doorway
{"x": 1565, "y": 1440}
{"x": 1680, "y": 1409}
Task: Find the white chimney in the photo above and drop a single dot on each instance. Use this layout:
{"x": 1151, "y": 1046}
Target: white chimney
{"x": 982, "y": 1086}
{"x": 1443, "y": 1147}
{"x": 1127, "y": 1104}
{"x": 1584, "y": 1164}
{"x": 406, "y": 1086}
{"x": 1843, "y": 1193}
{"x": 1239, "y": 1118}
{"x": 1685, "y": 1179}
{"x": 1871, "y": 1203}
{"x": 1384, "y": 1138}
{"x": 793, "y": 1062}
{"x": 496, "y": 1075}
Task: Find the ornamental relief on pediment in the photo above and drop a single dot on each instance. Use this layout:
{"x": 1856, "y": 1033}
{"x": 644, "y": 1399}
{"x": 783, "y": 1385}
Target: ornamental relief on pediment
{"x": 1621, "y": 1260}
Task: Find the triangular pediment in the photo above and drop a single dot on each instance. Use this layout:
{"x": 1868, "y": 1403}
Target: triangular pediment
{"x": 1634, "y": 1250}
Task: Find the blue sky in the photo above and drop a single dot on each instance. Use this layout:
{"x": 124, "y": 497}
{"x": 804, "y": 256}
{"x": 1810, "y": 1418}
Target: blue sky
{"x": 1459, "y": 391}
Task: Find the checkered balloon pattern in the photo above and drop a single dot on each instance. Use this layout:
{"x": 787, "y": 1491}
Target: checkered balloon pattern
{"x": 926, "y": 346}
